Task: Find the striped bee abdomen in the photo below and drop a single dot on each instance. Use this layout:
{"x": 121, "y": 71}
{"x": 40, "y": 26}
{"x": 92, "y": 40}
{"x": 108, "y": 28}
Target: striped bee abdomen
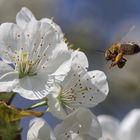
{"x": 129, "y": 48}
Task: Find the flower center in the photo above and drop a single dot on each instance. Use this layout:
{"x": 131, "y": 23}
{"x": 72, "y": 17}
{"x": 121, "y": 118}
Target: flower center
{"x": 69, "y": 96}
{"x": 27, "y": 64}
{"x": 31, "y": 57}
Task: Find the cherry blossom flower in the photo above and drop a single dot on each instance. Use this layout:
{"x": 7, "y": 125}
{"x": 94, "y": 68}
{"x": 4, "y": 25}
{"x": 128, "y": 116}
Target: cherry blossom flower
{"x": 79, "y": 89}
{"x": 128, "y": 129}
{"x": 79, "y": 125}
{"x": 31, "y": 51}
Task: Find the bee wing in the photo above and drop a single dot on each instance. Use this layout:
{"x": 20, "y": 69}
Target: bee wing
{"x": 132, "y": 34}
{"x": 123, "y": 33}
{"x": 127, "y": 33}
{"x": 133, "y": 37}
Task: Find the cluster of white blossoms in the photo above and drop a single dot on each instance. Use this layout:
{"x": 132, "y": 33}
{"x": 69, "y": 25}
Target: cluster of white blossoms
{"x": 31, "y": 51}
{"x": 79, "y": 125}
{"x": 37, "y": 63}
{"x": 128, "y": 129}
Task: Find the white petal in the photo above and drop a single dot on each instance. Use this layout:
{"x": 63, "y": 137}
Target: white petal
{"x": 73, "y": 77}
{"x": 54, "y": 51}
{"x": 40, "y": 37}
{"x": 84, "y": 137}
{"x": 100, "y": 80}
{"x": 130, "y": 126}
{"x": 60, "y": 64}
{"x": 8, "y": 77}
{"x": 8, "y": 86}
{"x": 9, "y": 40}
{"x": 110, "y": 127}
{"x": 81, "y": 122}
{"x": 5, "y": 68}
{"x": 39, "y": 130}
{"x": 23, "y": 17}
{"x": 55, "y": 108}
{"x": 61, "y": 46}
{"x": 54, "y": 25}
{"x": 80, "y": 59}
{"x": 100, "y": 84}
{"x": 90, "y": 88}
{"x": 32, "y": 87}
{"x": 54, "y": 105}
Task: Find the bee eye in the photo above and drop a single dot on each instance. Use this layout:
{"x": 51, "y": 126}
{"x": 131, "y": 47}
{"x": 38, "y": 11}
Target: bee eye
{"x": 107, "y": 55}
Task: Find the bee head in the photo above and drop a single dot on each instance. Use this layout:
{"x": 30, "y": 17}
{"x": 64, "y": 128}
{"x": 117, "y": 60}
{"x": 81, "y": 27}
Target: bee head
{"x": 108, "y": 55}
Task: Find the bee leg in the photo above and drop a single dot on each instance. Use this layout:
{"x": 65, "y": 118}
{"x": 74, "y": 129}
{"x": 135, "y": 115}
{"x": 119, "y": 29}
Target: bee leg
{"x": 121, "y": 63}
{"x": 124, "y": 59}
{"x": 118, "y": 58}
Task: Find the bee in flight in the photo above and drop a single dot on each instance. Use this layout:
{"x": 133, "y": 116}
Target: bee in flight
{"x": 117, "y": 51}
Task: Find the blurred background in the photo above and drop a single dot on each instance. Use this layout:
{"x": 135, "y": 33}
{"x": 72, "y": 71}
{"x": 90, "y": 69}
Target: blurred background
{"x": 92, "y": 25}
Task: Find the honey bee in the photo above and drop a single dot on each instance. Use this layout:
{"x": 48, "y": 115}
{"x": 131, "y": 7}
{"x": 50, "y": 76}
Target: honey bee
{"x": 117, "y": 51}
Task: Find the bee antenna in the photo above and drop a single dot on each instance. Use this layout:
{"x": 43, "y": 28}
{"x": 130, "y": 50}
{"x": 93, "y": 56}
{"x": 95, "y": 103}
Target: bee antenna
{"x": 101, "y": 51}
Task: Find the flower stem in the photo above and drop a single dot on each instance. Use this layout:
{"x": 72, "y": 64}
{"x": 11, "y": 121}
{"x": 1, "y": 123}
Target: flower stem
{"x": 40, "y": 104}
{"x": 11, "y": 99}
